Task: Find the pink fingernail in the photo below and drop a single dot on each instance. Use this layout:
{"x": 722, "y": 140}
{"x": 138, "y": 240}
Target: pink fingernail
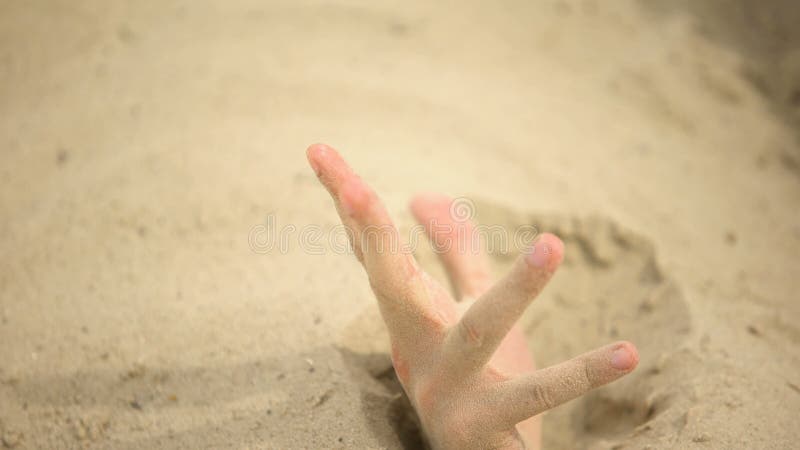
{"x": 314, "y": 152}
{"x": 621, "y": 359}
{"x": 314, "y": 165}
{"x": 539, "y": 254}
{"x": 322, "y": 149}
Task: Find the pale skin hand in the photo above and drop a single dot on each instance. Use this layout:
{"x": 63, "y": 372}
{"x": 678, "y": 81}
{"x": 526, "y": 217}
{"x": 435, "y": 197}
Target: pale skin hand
{"x": 461, "y": 359}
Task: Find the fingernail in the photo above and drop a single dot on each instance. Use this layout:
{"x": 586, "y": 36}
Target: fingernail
{"x": 539, "y": 254}
{"x": 621, "y": 359}
{"x": 317, "y": 151}
{"x": 322, "y": 149}
{"x": 314, "y": 165}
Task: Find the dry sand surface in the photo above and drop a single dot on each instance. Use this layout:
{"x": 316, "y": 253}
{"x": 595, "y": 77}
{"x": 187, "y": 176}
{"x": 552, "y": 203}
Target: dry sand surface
{"x": 143, "y": 142}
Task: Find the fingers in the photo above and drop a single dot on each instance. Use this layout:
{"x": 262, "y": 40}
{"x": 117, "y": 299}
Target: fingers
{"x": 334, "y": 174}
{"x": 520, "y": 398}
{"x": 470, "y": 344}
{"x": 456, "y": 243}
{"x": 393, "y": 273}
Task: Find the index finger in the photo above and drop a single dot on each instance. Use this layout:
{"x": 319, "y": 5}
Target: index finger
{"x": 394, "y": 275}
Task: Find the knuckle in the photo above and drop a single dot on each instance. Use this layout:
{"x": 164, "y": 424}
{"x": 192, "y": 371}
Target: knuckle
{"x": 413, "y": 274}
{"x": 389, "y": 274}
{"x": 590, "y": 381}
{"x": 541, "y": 396}
{"x": 469, "y": 332}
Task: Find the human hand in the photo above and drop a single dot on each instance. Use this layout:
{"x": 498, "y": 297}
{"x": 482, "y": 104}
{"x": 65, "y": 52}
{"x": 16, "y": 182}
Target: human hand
{"x": 462, "y": 362}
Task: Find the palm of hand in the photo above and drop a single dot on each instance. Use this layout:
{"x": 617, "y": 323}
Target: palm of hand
{"x": 464, "y": 365}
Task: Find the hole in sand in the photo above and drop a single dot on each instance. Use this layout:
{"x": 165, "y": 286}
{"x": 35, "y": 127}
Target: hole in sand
{"x": 607, "y": 417}
{"x": 402, "y": 416}
{"x": 386, "y": 407}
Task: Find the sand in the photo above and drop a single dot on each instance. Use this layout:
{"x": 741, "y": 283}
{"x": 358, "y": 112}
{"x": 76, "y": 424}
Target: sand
{"x": 144, "y": 144}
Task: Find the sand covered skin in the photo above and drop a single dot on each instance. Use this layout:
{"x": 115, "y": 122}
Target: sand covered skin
{"x": 143, "y": 145}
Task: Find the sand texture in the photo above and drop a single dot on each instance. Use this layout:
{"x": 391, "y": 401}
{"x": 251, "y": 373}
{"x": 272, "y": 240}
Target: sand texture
{"x": 144, "y": 144}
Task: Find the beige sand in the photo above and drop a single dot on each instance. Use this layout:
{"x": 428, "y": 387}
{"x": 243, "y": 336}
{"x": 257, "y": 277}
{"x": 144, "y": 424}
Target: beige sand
{"x": 141, "y": 145}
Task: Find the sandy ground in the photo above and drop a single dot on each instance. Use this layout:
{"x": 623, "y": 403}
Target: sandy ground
{"x": 142, "y": 144}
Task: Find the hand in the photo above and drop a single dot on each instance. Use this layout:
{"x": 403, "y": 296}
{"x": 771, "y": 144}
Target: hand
{"x": 463, "y": 363}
